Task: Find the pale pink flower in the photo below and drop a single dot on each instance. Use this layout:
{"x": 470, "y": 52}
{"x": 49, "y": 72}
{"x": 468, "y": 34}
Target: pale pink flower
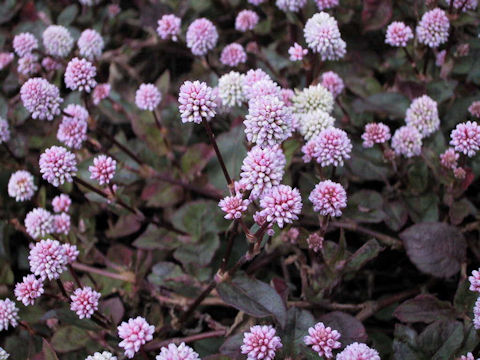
{"x": 315, "y": 242}
{"x": 459, "y": 173}
{"x": 252, "y": 77}
{"x": 326, "y": 4}
{"x": 57, "y": 41}
{"x": 104, "y": 355}
{"x": 332, "y": 82}
{"x": 449, "y": 158}
{"x": 475, "y": 280}
{"x": 323, "y": 340}
{"x": 202, "y": 36}
{"x": 328, "y": 198}
{"x": 286, "y": 95}
{"x": 256, "y": 2}
{"x": 180, "y": 352}
{"x": 465, "y": 138}
{"x": 8, "y": 314}
{"x": 358, "y": 351}
{"x": 330, "y": 147}
{"x": 465, "y": 5}
{"x": 61, "y": 203}
{"x": 61, "y": 223}
{"x": 262, "y": 88}
{"x": 375, "y": 133}
{"x": 24, "y": 44}
{"x": 197, "y": 102}
{"x": 169, "y": 27}
{"x": 398, "y": 34}
{"x": 407, "y": 141}
{"x": 5, "y": 59}
{"x": 101, "y": 91}
{"x": 48, "y": 259}
{"x": 21, "y": 186}
{"x": 72, "y": 131}
{"x": 291, "y": 5}
{"x": 147, "y": 97}
{"x": 71, "y": 252}
{"x": 233, "y": 55}
{"x": 432, "y": 29}
{"x": 476, "y": 314}
{"x": 38, "y": 223}
{"x": 296, "y": 52}
{"x": 246, "y": 20}
{"x": 423, "y": 115}
{"x": 323, "y": 37}
{"x": 80, "y": 75}
{"x": 4, "y": 131}
{"x": 41, "y": 99}
{"x": 281, "y": 204}
{"x": 469, "y": 356}
{"x": 233, "y": 206}
{"x": 84, "y": 302}
{"x": 90, "y": 44}
{"x": 134, "y": 333}
{"x": 58, "y": 165}
{"x": 29, "y": 290}
{"x": 260, "y": 343}
{"x": 28, "y": 65}
{"x": 50, "y": 64}
{"x": 474, "y": 109}
{"x": 103, "y": 169}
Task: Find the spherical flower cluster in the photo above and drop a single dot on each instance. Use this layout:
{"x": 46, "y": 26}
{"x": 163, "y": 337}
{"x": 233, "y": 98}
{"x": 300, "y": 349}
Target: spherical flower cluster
{"x": 262, "y": 88}
{"x": 286, "y": 95}
{"x": 181, "y": 352}
{"x": 268, "y": 121}
{"x": 100, "y": 92}
{"x": 61, "y": 223}
{"x": 330, "y": 147}
{"x": 90, "y": 44}
{"x": 326, "y": 4}
{"x": 134, "y": 333}
{"x": 465, "y": 138}
{"x": 169, "y": 27}
{"x": 28, "y": 65}
{"x": 147, "y": 97}
{"x": 433, "y": 28}
{"x": 322, "y": 339}
{"x": 57, "y": 41}
{"x": 24, "y": 44}
{"x": 328, "y": 198}
{"x": 358, "y": 351}
{"x": 475, "y": 280}
{"x": 296, "y": 52}
{"x": 315, "y": 242}
{"x": 407, "y": 141}
{"x": 260, "y": 343}
{"x": 291, "y": 5}
{"x": 233, "y": 206}
{"x": 71, "y": 252}
{"x": 102, "y": 356}
{"x": 246, "y": 20}
{"x": 202, "y": 36}
{"x": 449, "y": 159}
{"x": 262, "y": 169}
{"x": 4, "y": 131}
{"x": 474, "y": 109}
{"x": 58, "y": 165}
{"x": 230, "y": 89}
{"x": 84, "y": 302}
{"x": 103, "y": 169}
{"x": 375, "y": 133}
{"x": 315, "y": 97}
{"x": 423, "y": 115}
{"x": 256, "y": 2}
{"x": 281, "y": 204}
{"x": 398, "y": 34}
{"x": 332, "y": 82}
{"x": 312, "y": 123}
{"x": 3, "y": 354}
{"x": 465, "y": 5}
{"x": 233, "y": 55}
{"x": 48, "y": 259}
{"x": 38, "y": 223}
{"x": 197, "y": 102}
{"x": 50, "y": 64}
{"x": 29, "y": 290}
{"x": 252, "y": 77}
{"x": 72, "y": 131}
{"x": 476, "y": 314}
{"x": 21, "y": 186}
{"x": 61, "y": 203}
{"x": 80, "y": 74}
{"x": 323, "y": 36}
{"x": 41, "y": 99}
{"x": 8, "y": 314}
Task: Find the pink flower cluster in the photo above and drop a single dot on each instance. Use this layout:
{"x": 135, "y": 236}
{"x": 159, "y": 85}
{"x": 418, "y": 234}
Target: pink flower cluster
{"x": 323, "y": 37}
{"x": 260, "y": 343}
{"x": 197, "y": 102}
{"x": 169, "y": 27}
{"x": 233, "y": 206}
{"x": 48, "y": 259}
{"x": 330, "y": 147}
{"x": 103, "y": 169}
{"x": 323, "y": 340}
{"x": 90, "y": 44}
{"x": 246, "y": 20}
{"x": 281, "y": 204}
{"x": 328, "y": 198}
{"x": 8, "y": 314}
{"x": 134, "y": 333}
{"x": 202, "y": 36}
{"x": 101, "y": 91}
{"x": 80, "y": 75}
{"x": 326, "y": 4}
{"x": 24, "y": 44}
{"x": 148, "y": 97}
{"x": 332, "y": 82}
{"x": 297, "y": 53}
{"x": 84, "y": 302}
{"x": 357, "y": 351}
{"x": 398, "y": 34}
{"x": 58, "y": 165}
{"x": 375, "y": 133}
{"x": 29, "y": 290}
{"x": 233, "y": 55}
{"x": 61, "y": 203}
{"x": 38, "y": 223}
{"x": 465, "y": 138}
{"x": 21, "y": 186}
{"x": 41, "y": 99}
{"x": 180, "y": 352}
{"x": 407, "y": 141}
{"x": 433, "y": 28}
{"x": 72, "y": 131}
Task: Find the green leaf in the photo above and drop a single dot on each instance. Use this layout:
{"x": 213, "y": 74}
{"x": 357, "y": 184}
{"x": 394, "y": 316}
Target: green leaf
{"x": 397, "y": 215}
{"x": 161, "y": 194}
{"x": 68, "y": 15}
{"x": 441, "y": 90}
{"x": 69, "y": 338}
{"x": 365, "y": 206}
{"x": 156, "y": 238}
{"x": 298, "y": 322}
{"x": 423, "y": 208}
{"x": 441, "y": 339}
{"x": 366, "y": 253}
{"x": 200, "y": 253}
{"x": 253, "y": 297}
{"x": 48, "y": 352}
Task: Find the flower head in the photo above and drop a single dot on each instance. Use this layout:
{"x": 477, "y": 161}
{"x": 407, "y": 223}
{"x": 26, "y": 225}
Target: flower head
{"x": 233, "y": 206}
{"x": 72, "y": 131}
{"x": 233, "y": 55}
{"x": 48, "y": 259}
{"x": 465, "y": 5}
{"x": 230, "y": 89}
{"x": 29, "y": 290}
{"x": 475, "y": 280}
{"x": 407, "y": 141}
{"x": 260, "y": 343}
{"x": 323, "y": 37}
{"x": 197, "y": 102}
{"x": 261, "y": 89}
{"x": 281, "y": 204}
{"x": 50, "y": 64}
{"x": 38, "y": 223}
{"x": 322, "y": 339}
{"x": 465, "y": 138}
{"x": 312, "y": 123}
{"x": 134, "y": 333}
{"x": 251, "y": 78}
{"x": 358, "y": 351}
{"x": 449, "y": 159}
{"x": 147, "y": 97}
{"x": 61, "y": 223}
{"x": 296, "y": 52}
{"x": 328, "y": 198}
{"x": 21, "y": 185}
{"x": 169, "y": 27}
{"x": 315, "y": 242}
{"x": 5, "y": 59}
{"x": 433, "y": 28}
{"x": 291, "y": 5}
{"x": 332, "y": 82}
{"x": 24, "y": 44}
{"x": 41, "y": 99}
{"x": 286, "y": 95}
{"x": 58, "y": 165}
{"x": 256, "y": 2}
{"x": 180, "y": 352}
{"x": 469, "y": 356}
{"x": 71, "y": 252}
{"x": 103, "y": 169}
{"x": 268, "y": 121}
{"x": 202, "y": 36}
{"x": 4, "y": 131}
{"x": 246, "y": 20}
{"x": 474, "y": 109}
{"x": 398, "y": 34}
{"x": 61, "y": 203}
{"x": 57, "y": 41}
{"x": 28, "y": 65}
{"x": 326, "y": 4}
{"x": 90, "y": 44}
{"x": 330, "y": 147}
{"x": 8, "y": 314}
{"x": 315, "y": 97}
{"x": 476, "y": 314}
{"x": 102, "y": 356}
{"x": 80, "y": 75}
{"x": 423, "y": 114}
{"x": 260, "y": 220}
{"x": 375, "y": 133}
{"x": 262, "y": 169}
{"x": 84, "y": 302}
{"x": 100, "y": 92}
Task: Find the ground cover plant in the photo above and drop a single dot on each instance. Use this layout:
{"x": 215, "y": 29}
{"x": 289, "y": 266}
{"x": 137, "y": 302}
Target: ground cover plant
{"x": 233, "y": 179}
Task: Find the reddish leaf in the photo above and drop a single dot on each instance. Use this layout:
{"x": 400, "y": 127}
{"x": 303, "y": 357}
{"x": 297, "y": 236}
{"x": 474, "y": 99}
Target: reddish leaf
{"x": 351, "y": 329}
{"x": 424, "y": 308}
{"x": 376, "y": 14}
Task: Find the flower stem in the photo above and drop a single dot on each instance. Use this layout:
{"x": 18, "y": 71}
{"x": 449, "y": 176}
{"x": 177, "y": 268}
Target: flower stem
{"x": 217, "y": 151}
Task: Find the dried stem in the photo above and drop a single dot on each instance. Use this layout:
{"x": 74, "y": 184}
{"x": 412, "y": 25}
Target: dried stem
{"x": 188, "y": 339}
{"x": 127, "y": 277}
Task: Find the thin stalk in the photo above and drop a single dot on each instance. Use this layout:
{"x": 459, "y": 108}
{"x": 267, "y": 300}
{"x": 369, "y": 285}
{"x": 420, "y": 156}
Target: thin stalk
{"x": 206, "y": 124}
{"x": 128, "y": 277}
{"x": 74, "y": 275}
{"x": 62, "y": 288}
